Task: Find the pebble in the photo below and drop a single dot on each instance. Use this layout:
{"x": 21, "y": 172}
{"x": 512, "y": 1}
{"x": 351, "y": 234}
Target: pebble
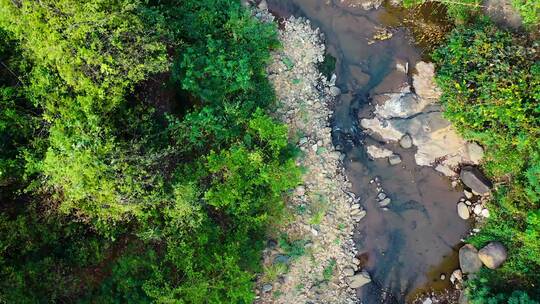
{"x": 355, "y": 206}
{"x": 463, "y": 211}
{"x": 267, "y": 287}
{"x": 359, "y": 216}
{"x": 485, "y": 213}
{"x": 355, "y": 212}
{"x": 394, "y": 159}
{"x": 468, "y": 194}
{"x": 442, "y": 277}
{"x": 477, "y": 209}
{"x": 385, "y": 202}
{"x": 335, "y": 91}
{"x": 381, "y": 196}
{"x": 348, "y": 272}
{"x": 468, "y": 203}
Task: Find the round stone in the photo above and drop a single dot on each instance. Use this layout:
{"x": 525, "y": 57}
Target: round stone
{"x": 463, "y": 211}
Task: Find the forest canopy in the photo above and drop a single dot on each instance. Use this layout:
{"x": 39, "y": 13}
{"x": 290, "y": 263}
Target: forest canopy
{"x": 138, "y": 163}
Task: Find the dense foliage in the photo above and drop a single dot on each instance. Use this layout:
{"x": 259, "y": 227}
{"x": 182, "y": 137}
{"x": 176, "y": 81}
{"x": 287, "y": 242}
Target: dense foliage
{"x": 464, "y": 10}
{"x": 137, "y": 160}
{"x": 491, "y": 85}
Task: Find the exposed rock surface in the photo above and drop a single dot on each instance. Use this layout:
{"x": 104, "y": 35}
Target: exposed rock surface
{"x": 394, "y": 159}
{"x": 377, "y": 152}
{"x": 503, "y": 13}
{"x": 400, "y": 112}
{"x": 329, "y": 208}
{"x": 469, "y": 261}
{"x": 406, "y": 141}
{"x": 474, "y": 179}
{"x": 493, "y": 255}
{"x": 365, "y": 4}
{"x": 359, "y": 280}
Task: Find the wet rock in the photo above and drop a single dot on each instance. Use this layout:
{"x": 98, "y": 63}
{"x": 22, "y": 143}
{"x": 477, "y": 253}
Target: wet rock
{"x": 335, "y": 91}
{"x": 381, "y": 196}
{"x": 463, "y": 211}
{"x": 406, "y": 141}
{"x": 355, "y": 212}
{"x": 281, "y": 259}
{"x": 474, "y": 179}
{"x": 469, "y": 262}
{"x": 377, "y": 152}
{"x": 266, "y": 288}
{"x": 394, "y": 159}
{"x": 385, "y": 202}
{"x": 359, "y": 280}
{"x": 400, "y": 112}
{"x": 263, "y": 5}
{"x": 358, "y": 217}
{"x": 271, "y": 244}
{"x": 493, "y": 255}
{"x": 360, "y": 78}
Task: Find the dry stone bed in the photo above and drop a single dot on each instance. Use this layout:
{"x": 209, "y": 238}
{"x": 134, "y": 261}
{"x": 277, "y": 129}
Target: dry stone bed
{"x": 323, "y": 209}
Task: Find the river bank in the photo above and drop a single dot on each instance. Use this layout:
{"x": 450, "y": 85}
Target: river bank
{"x": 317, "y": 260}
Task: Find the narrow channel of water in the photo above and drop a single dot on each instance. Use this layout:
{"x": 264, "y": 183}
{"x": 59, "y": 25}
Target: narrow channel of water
{"x": 407, "y": 247}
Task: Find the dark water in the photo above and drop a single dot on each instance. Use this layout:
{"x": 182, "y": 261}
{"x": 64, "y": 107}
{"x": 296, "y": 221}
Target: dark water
{"x": 407, "y": 247}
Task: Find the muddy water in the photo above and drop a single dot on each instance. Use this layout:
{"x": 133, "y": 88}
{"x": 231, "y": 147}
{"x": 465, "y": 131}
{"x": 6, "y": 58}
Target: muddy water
{"x": 407, "y": 247}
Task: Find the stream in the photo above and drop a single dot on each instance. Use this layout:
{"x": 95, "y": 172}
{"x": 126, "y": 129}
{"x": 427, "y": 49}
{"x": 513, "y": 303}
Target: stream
{"x": 407, "y": 247}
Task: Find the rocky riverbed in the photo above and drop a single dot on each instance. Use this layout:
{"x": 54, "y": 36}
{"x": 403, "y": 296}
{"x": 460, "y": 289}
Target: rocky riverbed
{"x": 410, "y": 222}
{"x": 323, "y": 267}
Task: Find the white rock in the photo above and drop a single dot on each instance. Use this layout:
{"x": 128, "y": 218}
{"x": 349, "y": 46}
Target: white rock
{"x": 427, "y": 301}
{"x": 468, "y": 194}
{"x": 377, "y": 152}
{"x": 348, "y": 271}
{"x": 477, "y": 209}
{"x": 335, "y": 91}
{"x": 485, "y": 213}
{"x": 359, "y": 280}
{"x": 463, "y": 211}
{"x": 385, "y": 202}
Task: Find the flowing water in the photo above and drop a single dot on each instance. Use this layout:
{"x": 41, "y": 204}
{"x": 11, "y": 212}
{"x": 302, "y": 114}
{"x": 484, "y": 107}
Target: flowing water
{"x": 407, "y": 247}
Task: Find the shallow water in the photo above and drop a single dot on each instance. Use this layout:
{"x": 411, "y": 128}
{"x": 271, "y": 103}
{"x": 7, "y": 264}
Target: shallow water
{"x": 407, "y": 247}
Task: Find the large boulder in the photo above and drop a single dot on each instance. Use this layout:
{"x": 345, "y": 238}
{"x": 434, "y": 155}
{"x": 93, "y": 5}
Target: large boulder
{"x": 359, "y": 280}
{"x": 474, "y": 179}
{"x": 469, "y": 262}
{"x": 493, "y": 255}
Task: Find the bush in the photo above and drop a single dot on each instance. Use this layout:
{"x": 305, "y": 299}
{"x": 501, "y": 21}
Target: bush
{"x": 491, "y": 92}
{"x": 126, "y": 203}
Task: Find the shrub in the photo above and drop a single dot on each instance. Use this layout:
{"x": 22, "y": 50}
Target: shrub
{"x": 491, "y": 92}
